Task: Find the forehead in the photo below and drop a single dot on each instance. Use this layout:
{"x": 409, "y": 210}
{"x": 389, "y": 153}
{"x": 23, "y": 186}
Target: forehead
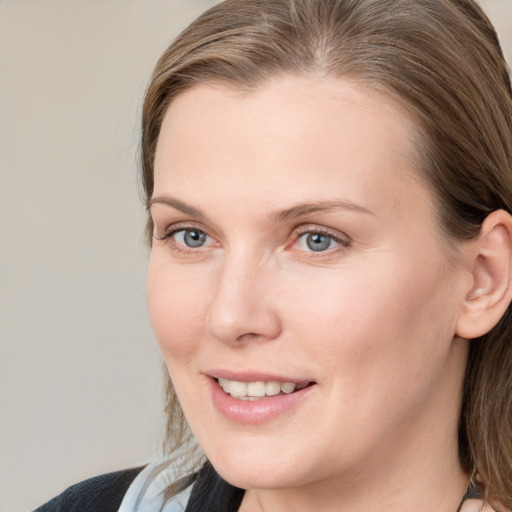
{"x": 295, "y": 135}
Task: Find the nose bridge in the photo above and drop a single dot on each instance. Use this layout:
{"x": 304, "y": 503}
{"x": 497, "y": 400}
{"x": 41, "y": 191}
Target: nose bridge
{"x": 241, "y": 304}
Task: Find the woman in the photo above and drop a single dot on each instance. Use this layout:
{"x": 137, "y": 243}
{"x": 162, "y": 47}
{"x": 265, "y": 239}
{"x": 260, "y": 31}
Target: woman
{"x": 329, "y": 186}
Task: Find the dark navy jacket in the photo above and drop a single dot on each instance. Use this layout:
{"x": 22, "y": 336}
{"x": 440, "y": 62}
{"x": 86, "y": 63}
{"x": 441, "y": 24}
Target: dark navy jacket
{"x": 99, "y": 494}
{"x": 105, "y": 493}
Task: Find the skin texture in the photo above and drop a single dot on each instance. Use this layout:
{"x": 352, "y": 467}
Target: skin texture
{"x": 372, "y": 320}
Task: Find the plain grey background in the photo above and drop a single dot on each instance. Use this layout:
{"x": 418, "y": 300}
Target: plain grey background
{"x": 80, "y": 373}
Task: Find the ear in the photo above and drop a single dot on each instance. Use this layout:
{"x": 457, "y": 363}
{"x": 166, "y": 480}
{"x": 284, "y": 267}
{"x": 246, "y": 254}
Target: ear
{"x": 491, "y": 289}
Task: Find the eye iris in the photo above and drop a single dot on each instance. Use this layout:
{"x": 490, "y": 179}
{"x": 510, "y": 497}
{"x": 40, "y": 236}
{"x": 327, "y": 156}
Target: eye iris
{"x": 194, "y": 238}
{"x": 318, "y": 242}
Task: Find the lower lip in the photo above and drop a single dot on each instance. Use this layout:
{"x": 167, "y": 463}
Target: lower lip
{"x": 257, "y": 411}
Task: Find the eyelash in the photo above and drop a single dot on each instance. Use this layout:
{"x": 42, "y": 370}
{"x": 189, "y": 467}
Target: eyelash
{"x": 343, "y": 243}
{"x": 173, "y": 230}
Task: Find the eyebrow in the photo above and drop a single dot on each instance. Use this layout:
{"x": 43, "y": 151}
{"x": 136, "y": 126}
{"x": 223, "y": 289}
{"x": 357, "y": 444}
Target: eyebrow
{"x": 314, "y": 207}
{"x": 287, "y": 214}
{"x": 177, "y": 205}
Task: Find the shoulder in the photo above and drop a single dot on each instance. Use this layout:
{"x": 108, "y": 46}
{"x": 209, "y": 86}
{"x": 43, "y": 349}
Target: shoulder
{"x": 102, "y": 493}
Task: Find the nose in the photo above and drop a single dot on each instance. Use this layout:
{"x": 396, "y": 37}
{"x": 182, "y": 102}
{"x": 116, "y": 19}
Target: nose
{"x": 242, "y": 306}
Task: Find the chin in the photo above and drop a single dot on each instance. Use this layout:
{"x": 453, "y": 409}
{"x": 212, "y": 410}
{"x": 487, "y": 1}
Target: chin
{"x": 254, "y": 478}
{"x": 257, "y": 470}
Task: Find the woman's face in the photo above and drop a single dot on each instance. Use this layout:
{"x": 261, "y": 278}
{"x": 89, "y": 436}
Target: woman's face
{"x": 297, "y": 256}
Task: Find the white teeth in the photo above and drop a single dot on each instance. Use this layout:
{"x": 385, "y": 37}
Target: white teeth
{"x": 255, "y": 390}
{"x": 237, "y": 388}
{"x": 288, "y": 387}
{"x": 272, "y": 388}
{"x": 224, "y": 384}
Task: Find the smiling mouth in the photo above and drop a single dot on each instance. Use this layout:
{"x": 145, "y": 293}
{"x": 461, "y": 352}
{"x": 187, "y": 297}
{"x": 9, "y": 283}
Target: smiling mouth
{"x": 260, "y": 390}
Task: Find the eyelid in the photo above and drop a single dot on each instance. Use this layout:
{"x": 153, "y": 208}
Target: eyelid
{"x": 180, "y": 226}
{"x": 341, "y": 238}
{"x": 315, "y": 228}
{"x": 177, "y": 227}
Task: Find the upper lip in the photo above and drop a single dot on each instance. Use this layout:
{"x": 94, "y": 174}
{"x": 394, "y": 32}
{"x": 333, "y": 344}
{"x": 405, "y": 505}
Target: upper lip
{"x": 253, "y": 376}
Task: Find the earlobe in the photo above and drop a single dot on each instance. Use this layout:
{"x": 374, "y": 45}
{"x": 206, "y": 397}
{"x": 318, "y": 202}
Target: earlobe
{"x": 491, "y": 290}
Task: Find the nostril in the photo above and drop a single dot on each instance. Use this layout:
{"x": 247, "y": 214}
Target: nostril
{"x": 248, "y": 336}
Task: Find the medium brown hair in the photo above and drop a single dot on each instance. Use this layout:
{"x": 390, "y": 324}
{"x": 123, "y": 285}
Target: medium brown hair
{"x": 441, "y": 59}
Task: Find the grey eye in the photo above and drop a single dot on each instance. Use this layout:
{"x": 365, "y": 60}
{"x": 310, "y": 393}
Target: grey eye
{"x": 318, "y": 242}
{"x": 191, "y": 238}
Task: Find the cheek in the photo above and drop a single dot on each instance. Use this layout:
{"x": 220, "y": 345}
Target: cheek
{"x": 379, "y": 314}
{"x": 380, "y": 341}
{"x": 177, "y": 308}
